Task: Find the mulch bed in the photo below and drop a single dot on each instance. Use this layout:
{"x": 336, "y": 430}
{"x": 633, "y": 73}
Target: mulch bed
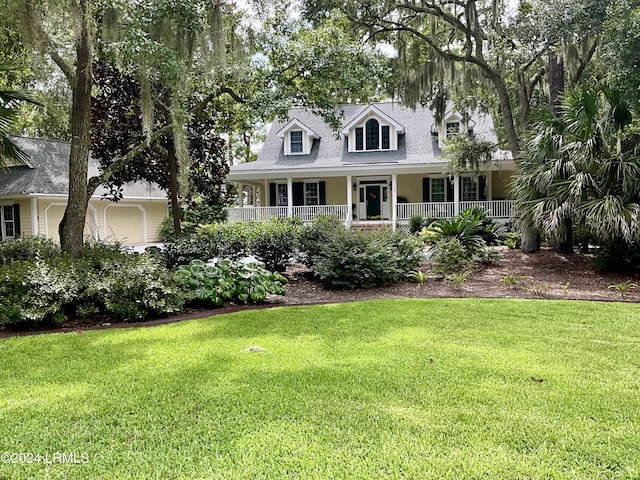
{"x": 544, "y": 274}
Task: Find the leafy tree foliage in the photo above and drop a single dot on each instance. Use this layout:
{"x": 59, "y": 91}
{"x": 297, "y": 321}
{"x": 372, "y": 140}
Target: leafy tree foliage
{"x": 9, "y": 99}
{"x": 117, "y": 128}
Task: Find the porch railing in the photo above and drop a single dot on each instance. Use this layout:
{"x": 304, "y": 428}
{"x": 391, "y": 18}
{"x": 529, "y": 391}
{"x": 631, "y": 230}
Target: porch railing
{"x": 310, "y": 212}
{"x": 249, "y": 214}
{"x": 305, "y": 213}
{"x": 496, "y": 208}
{"x": 425, "y": 210}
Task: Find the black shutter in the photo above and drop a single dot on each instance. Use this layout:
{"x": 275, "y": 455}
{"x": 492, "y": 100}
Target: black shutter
{"x": 298, "y": 194}
{"x": 322, "y": 188}
{"x": 16, "y": 220}
{"x": 425, "y": 189}
{"x": 359, "y": 139}
{"x": 385, "y": 138}
{"x": 482, "y": 187}
{"x": 272, "y": 195}
{"x": 449, "y": 183}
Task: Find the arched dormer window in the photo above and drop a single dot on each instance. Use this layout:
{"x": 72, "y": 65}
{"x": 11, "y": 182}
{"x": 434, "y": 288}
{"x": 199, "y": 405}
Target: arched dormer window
{"x": 372, "y": 128}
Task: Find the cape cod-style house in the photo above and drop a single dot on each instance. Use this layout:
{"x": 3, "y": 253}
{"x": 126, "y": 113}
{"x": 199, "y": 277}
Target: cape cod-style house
{"x": 33, "y": 197}
{"x": 383, "y": 166}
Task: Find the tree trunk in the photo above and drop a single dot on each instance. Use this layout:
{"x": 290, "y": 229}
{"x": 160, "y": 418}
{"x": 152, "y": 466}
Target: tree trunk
{"x": 564, "y": 243}
{"x": 555, "y": 77}
{"x": 71, "y": 228}
{"x": 530, "y": 240}
{"x": 173, "y": 187}
{"x": 507, "y": 115}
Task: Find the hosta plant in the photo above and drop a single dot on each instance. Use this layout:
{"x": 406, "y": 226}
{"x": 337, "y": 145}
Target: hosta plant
{"x": 231, "y": 281}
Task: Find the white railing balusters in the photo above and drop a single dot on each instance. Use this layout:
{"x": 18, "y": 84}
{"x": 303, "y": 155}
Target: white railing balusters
{"x": 308, "y": 213}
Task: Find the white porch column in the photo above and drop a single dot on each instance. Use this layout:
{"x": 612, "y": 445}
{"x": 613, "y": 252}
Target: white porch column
{"x": 394, "y": 198}
{"x": 240, "y": 195}
{"x": 489, "y": 184}
{"x": 456, "y": 195}
{"x": 267, "y": 201}
{"x": 289, "y": 197}
{"x": 34, "y": 216}
{"x": 347, "y": 221}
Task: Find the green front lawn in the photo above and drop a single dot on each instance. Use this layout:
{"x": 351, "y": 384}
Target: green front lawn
{"x": 462, "y": 388}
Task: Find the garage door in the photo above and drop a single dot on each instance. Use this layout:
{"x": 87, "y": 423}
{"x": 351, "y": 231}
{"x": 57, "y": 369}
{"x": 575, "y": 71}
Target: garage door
{"x": 125, "y": 223}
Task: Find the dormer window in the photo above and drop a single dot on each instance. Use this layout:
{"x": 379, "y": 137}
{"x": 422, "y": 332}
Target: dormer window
{"x": 453, "y": 128}
{"x": 372, "y": 130}
{"x": 295, "y": 137}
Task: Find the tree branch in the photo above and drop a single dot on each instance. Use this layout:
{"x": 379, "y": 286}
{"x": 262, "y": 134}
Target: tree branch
{"x": 584, "y": 62}
{"x": 121, "y": 162}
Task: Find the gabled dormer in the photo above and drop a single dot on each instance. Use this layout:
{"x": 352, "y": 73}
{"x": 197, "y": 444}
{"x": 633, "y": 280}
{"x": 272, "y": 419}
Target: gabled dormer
{"x": 372, "y": 130}
{"x": 298, "y": 138}
{"x": 454, "y": 123}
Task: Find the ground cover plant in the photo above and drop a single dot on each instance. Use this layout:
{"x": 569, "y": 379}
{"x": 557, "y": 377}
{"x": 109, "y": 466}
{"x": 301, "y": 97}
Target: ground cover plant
{"x": 455, "y": 388}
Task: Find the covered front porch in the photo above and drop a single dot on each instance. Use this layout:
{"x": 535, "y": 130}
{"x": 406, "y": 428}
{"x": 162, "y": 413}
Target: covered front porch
{"x": 374, "y": 199}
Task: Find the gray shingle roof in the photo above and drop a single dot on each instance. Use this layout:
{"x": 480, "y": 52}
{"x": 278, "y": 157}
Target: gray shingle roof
{"x": 49, "y": 176}
{"x": 415, "y": 147}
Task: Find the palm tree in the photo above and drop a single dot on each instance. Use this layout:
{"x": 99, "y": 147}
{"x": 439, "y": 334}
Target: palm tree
{"x": 582, "y": 167}
{"x": 9, "y": 99}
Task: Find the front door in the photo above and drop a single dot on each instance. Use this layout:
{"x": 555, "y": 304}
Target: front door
{"x": 372, "y": 196}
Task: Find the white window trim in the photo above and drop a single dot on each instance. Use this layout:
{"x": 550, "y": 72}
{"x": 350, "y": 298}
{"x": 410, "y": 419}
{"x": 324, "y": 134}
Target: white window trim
{"x": 2, "y": 225}
{"x": 444, "y": 184}
{"x": 475, "y": 182}
{"x": 317, "y": 184}
{"x": 302, "y": 142}
{"x": 286, "y": 196}
{"x": 393, "y": 136}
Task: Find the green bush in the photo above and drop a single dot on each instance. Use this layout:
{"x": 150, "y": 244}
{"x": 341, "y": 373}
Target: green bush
{"x": 618, "y": 258}
{"x": 134, "y": 287}
{"x": 492, "y": 232}
{"x": 352, "y": 259}
{"x": 314, "y": 237}
{"x": 450, "y": 256}
{"x": 27, "y": 248}
{"x": 417, "y": 223}
{"x": 228, "y": 281}
{"x": 102, "y": 280}
{"x": 37, "y": 291}
{"x": 464, "y": 228}
{"x": 186, "y": 248}
{"x": 276, "y": 243}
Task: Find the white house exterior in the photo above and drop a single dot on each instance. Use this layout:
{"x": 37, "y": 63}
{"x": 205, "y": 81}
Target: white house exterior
{"x": 383, "y": 166}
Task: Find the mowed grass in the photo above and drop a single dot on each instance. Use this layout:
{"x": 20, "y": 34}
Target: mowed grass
{"x": 460, "y": 388}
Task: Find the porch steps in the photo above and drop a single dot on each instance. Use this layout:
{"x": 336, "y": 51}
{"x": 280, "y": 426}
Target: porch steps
{"x": 369, "y": 227}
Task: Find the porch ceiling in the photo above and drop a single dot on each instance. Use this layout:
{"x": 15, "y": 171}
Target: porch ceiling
{"x": 359, "y": 170}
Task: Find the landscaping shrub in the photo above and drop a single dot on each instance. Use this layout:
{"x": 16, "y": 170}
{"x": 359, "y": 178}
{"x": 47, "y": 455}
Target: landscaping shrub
{"x": 352, "y": 259}
{"x": 450, "y": 256}
{"x": 134, "y": 287}
{"x": 276, "y": 242}
{"x": 102, "y": 280}
{"x": 186, "y": 248}
{"x": 27, "y": 248}
{"x": 314, "y": 237}
{"x": 227, "y": 281}
{"x": 417, "y": 223}
{"x": 466, "y": 229}
{"x": 37, "y": 291}
{"x": 618, "y": 258}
